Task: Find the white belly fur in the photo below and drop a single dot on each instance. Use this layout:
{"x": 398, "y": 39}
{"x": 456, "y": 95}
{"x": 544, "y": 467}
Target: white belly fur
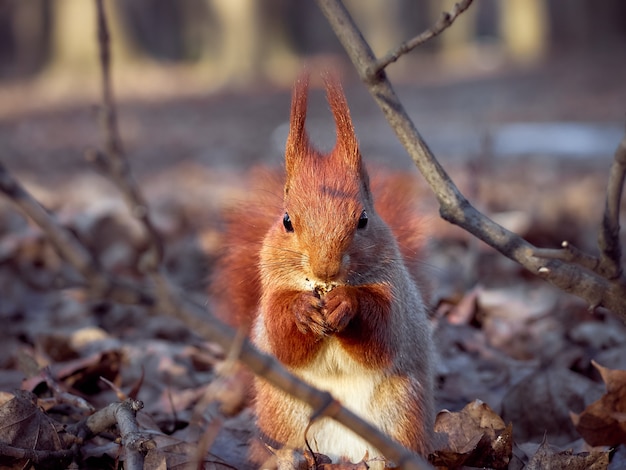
{"x": 354, "y": 386}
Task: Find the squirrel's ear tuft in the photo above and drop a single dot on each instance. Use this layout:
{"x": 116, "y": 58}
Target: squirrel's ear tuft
{"x": 298, "y": 140}
{"x": 347, "y": 145}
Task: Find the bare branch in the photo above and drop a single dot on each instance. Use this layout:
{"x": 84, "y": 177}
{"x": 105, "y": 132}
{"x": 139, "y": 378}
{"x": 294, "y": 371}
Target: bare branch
{"x": 608, "y": 236}
{"x": 113, "y": 160}
{"x": 453, "y": 206}
{"x": 571, "y": 254}
{"x": 37, "y": 456}
{"x": 123, "y": 415}
{"x": 444, "y": 22}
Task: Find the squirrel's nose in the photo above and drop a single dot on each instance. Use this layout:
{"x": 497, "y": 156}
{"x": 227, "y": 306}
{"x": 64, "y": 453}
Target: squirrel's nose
{"x": 326, "y": 268}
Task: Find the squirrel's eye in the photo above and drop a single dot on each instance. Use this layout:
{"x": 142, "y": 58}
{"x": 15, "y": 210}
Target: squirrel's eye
{"x": 362, "y": 220}
{"x": 287, "y": 223}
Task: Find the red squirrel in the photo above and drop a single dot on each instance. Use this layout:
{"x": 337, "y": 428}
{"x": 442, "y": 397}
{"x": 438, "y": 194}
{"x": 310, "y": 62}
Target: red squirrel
{"x": 326, "y": 279}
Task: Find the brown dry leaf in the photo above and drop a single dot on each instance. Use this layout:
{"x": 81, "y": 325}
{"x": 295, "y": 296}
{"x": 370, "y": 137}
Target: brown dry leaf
{"x": 517, "y": 321}
{"x": 604, "y": 421}
{"x": 540, "y": 404}
{"x": 475, "y": 436}
{"x": 547, "y": 457}
{"x": 25, "y": 426}
{"x": 464, "y": 311}
{"x": 84, "y": 374}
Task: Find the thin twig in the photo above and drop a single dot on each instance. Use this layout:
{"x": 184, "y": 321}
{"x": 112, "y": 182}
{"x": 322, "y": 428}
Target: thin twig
{"x": 444, "y": 22}
{"x": 113, "y": 160}
{"x": 608, "y": 236}
{"x": 453, "y": 206}
{"x": 38, "y": 456}
{"x": 123, "y": 415}
{"x": 61, "y": 396}
{"x": 571, "y": 254}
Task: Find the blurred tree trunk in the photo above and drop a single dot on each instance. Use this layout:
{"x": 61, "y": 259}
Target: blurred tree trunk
{"x": 239, "y": 44}
{"x": 249, "y": 43}
{"x": 74, "y": 33}
{"x": 521, "y": 27}
{"x": 524, "y": 29}
{"x": 381, "y": 22}
{"x": 30, "y": 30}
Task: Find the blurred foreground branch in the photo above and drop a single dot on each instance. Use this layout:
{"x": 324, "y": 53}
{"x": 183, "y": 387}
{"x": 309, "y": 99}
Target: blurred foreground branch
{"x": 603, "y": 286}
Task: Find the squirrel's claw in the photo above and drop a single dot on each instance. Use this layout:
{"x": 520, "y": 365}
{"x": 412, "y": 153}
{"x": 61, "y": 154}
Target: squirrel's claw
{"x": 308, "y": 314}
{"x": 340, "y": 306}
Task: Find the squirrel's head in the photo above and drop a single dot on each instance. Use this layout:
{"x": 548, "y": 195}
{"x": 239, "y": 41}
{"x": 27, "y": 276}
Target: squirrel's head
{"x": 328, "y": 203}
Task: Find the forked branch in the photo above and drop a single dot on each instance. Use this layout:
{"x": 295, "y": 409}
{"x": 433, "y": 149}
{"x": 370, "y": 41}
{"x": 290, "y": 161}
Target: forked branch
{"x": 597, "y": 289}
{"x": 445, "y": 21}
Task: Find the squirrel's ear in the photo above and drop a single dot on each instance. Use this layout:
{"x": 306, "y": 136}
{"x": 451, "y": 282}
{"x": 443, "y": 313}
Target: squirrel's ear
{"x": 347, "y": 145}
{"x": 298, "y": 140}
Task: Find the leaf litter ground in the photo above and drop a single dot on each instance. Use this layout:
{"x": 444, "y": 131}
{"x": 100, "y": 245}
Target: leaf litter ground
{"x": 528, "y": 377}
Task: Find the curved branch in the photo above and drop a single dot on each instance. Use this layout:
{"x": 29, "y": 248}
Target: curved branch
{"x": 444, "y": 22}
{"x": 453, "y": 206}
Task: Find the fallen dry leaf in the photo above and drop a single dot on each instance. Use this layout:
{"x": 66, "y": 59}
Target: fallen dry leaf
{"x": 518, "y": 321}
{"x": 547, "y": 457}
{"x": 604, "y": 421}
{"x": 26, "y": 426}
{"x": 475, "y": 436}
{"x": 541, "y": 403}
{"x": 84, "y": 374}
{"x": 463, "y": 312}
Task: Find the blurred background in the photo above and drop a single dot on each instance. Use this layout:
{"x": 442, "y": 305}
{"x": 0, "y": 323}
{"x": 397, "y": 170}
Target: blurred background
{"x": 518, "y": 92}
{"x": 240, "y": 43}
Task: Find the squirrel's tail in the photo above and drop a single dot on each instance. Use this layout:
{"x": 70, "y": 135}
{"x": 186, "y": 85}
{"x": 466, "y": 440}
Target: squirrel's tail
{"x": 235, "y": 285}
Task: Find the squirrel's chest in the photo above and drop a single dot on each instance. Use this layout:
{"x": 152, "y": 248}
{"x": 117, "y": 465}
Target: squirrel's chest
{"x": 334, "y": 370}
{"x": 357, "y": 388}
{"x": 351, "y": 383}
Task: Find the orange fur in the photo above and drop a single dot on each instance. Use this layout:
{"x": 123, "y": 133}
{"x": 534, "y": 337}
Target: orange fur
{"x": 337, "y": 300}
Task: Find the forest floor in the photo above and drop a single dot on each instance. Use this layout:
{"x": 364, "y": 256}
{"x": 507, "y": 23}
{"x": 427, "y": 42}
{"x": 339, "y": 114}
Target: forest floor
{"x": 531, "y": 353}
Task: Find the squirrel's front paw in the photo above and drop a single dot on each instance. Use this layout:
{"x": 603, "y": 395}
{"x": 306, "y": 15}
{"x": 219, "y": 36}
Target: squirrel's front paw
{"x": 340, "y": 306}
{"x": 308, "y": 312}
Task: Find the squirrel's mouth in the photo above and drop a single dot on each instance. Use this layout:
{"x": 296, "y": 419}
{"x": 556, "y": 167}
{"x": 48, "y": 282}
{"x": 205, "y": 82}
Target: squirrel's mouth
{"x": 324, "y": 288}
{"x": 319, "y": 287}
